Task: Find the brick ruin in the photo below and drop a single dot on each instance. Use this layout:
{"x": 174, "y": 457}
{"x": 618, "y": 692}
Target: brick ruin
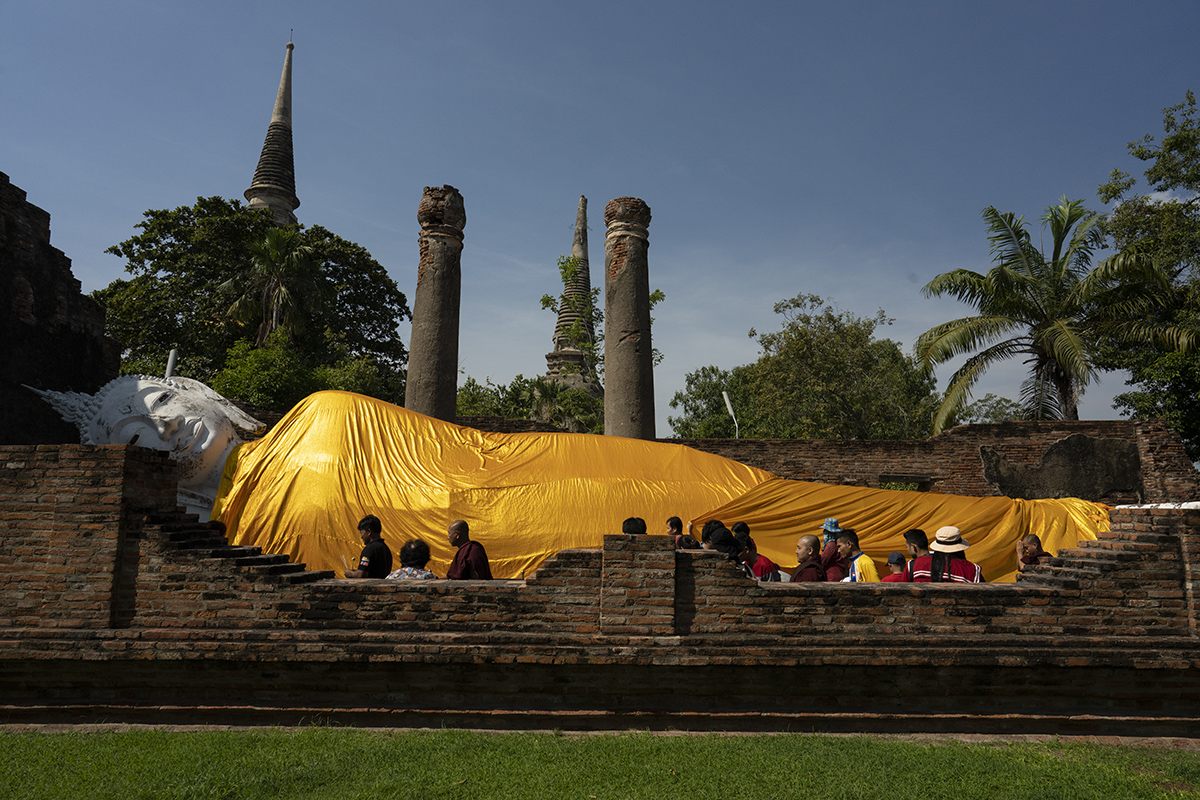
{"x": 53, "y": 336}
{"x": 1109, "y": 461}
{"x": 116, "y": 607}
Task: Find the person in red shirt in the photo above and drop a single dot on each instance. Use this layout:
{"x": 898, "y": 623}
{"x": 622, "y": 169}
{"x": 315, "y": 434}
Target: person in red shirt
{"x": 946, "y": 562}
{"x": 763, "y": 568}
{"x": 897, "y": 564}
{"x": 470, "y": 562}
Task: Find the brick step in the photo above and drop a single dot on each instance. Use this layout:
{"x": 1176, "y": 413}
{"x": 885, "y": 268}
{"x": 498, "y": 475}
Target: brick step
{"x": 1081, "y": 564}
{"x": 193, "y": 539}
{"x": 1048, "y": 580}
{"x": 309, "y": 576}
{"x": 1100, "y": 559}
{"x": 1145, "y": 537}
{"x": 1131, "y": 545}
{"x": 260, "y": 560}
{"x": 227, "y": 551}
{"x": 279, "y": 570}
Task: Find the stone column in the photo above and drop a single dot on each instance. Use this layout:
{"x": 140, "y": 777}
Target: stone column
{"x": 432, "y": 386}
{"x": 628, "y": 355}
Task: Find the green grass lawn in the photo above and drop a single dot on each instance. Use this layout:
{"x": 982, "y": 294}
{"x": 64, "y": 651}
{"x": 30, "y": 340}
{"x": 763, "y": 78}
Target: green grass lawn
{"x": 341, "y": 763}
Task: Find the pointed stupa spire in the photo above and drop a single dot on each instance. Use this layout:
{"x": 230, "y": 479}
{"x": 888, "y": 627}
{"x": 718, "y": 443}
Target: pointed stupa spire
{"x": 568, "y": 364}
{"x": 274, "y": 184}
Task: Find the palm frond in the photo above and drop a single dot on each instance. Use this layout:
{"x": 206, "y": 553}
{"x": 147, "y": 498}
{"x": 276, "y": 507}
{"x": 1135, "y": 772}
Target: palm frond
{"x": 959, "y": 389}
{"x": 1009, "y": 239}
{"x": 956, "y": 337}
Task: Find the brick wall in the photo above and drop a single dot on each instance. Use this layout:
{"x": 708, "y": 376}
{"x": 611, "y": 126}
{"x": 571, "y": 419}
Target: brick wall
{"x": 115, "y": 605}
{"x": 951, "y": 462}
{"x": 60, "y": 330}
{"x": 69, "y": 519}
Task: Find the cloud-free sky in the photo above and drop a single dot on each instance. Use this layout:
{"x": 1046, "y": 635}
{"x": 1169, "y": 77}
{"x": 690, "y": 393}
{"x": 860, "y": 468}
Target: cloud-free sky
{"x": 844, "y": 149}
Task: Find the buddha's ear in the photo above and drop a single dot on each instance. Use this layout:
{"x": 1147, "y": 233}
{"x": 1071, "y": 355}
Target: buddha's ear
{"x": 75, "y": 407}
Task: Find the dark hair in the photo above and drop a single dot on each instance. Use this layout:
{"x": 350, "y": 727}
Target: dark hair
{"x": 741, "y": 527}
{"x": 918, "y": 538}
{"x": 370, "y": 523}
{"x": 723, "y": 542}
{"x": 415, "y": 553}
{"x": 675, "y": 523}
{"x": 686, "y": 542}
{"x": 743, "y": 539}
{"x": 849, "y": 535}
{"x": 939, "y": 565}
{"x": 709, "y": 527}
{"x": 633, "y": 525}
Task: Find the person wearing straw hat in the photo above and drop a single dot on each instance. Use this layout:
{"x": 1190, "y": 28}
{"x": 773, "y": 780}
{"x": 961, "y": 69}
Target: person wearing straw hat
{"x": 947, "y": 561}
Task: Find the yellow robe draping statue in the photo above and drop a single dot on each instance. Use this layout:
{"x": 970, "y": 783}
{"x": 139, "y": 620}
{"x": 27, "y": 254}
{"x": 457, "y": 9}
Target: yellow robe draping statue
{"x": 337, "y": 457}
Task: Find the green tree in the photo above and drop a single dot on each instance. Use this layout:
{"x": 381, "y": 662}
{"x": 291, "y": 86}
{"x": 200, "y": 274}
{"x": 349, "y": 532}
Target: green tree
{"x": 276, "y": 376}
{"x": 988, "y": 409}
{"x": 281, "y": 289}
{"x": 822, "y": 375}
{"x": 181, "y": 257}
{"x": 533, "y": 398}
{"x": 1053, "y": 309}
{"x": 703, "y": 413}
{"x": 1164, "y": 227}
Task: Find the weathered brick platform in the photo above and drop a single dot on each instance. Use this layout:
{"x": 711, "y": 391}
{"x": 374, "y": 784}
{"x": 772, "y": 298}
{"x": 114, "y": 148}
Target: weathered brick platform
{"x": 114, "y": 607}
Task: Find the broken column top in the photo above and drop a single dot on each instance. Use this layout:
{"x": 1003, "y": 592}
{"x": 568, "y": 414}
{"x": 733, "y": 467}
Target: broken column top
{"x": 442, "y": 205}
{"x": 627, "y": 210}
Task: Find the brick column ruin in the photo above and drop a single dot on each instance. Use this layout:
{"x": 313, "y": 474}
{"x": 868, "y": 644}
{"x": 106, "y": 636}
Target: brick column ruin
{"x": 628, "y": 354}
{"x": 433, "y": 350}
{"x": 637, "y": 586}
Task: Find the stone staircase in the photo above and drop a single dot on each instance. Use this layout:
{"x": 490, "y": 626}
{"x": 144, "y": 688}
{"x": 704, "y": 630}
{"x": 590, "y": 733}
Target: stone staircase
{"x": 184, "y": 533}
{"x": 1138, "y": 566}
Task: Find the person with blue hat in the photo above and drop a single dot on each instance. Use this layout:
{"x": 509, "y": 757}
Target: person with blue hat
{"x": 833, "y": 562}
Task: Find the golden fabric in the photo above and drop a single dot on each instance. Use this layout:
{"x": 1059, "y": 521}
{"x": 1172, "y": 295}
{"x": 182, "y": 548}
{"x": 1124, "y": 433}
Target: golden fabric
{"x": 336, "y": 457}
{"x": 780, "y": 511}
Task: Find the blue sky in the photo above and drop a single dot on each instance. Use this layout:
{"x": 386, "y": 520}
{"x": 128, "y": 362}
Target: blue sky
{"x": 840, "y": 149}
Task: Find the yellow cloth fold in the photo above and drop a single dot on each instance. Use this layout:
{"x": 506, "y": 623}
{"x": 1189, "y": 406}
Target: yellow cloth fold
{"x": 336, "y": 457}
{"x": 780, "y": 511}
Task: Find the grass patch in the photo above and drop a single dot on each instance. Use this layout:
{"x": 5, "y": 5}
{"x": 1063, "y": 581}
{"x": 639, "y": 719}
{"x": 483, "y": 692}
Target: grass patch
{"x": 344, "y": 763}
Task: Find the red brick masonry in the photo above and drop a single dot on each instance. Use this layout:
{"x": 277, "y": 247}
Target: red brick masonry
{"x": 115, "y": 607}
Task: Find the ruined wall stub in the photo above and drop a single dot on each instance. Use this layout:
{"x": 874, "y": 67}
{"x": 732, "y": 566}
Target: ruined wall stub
{"x": 628, "y": 354}
{"x": 53, "y": 335}
{"x": 433, "y": 351}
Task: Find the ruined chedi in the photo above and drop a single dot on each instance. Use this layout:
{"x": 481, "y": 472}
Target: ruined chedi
{"x": 432, "y": 387}
{"x": 567, "y": 364}
{"x": 274, "y": 184}
{"x": 628, "y": 354}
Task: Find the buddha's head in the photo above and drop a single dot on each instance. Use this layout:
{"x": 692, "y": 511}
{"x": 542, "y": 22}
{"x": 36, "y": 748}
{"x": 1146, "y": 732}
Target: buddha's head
{"x": 182, "y": 416}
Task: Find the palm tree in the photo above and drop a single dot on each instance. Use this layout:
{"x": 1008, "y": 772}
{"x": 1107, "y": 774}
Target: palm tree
{"x": 1054, "y": 310}
{"x": 280, "y": 288}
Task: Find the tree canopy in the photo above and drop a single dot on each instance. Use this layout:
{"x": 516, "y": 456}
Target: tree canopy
{"x": 823, "y": 375}
{"x": 1053, "y": 309}
{"x": 337, "y": 306}
{"x": 571, "y": 409}
{"x": 1165, "y": 227}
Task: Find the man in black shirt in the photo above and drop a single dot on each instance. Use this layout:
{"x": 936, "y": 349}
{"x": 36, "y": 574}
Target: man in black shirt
{"x": 376, "y": 558}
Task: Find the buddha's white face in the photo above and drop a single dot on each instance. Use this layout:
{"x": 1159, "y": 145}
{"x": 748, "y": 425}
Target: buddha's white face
{"x": 187, "y": 420}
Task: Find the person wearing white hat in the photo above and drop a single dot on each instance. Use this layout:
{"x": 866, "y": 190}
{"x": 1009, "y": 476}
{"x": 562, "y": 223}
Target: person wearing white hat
{"x": 947, "y": 561}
